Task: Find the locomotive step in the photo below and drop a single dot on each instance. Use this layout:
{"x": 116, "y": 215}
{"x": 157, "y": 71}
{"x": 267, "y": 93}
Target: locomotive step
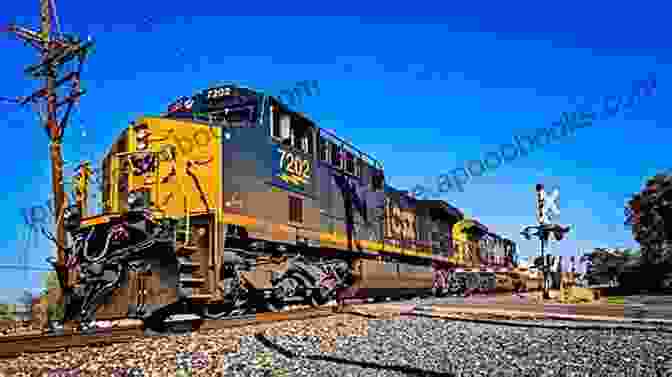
{"x": 192, "y": 280}
{"x": 199, "y": 297}
{"x": 189, "y": 265}
{"x": 187, "y": 250}
{"x": 182, "y": 317}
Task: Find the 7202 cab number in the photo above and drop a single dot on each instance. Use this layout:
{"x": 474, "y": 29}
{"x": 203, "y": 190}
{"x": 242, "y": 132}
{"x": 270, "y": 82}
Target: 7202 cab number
{"x": 294, "y": 165}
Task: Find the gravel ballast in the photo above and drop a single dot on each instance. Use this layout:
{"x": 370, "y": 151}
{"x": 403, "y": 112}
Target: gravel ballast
{"x": 350, "y": 345}
{"x": 428, "y": 347}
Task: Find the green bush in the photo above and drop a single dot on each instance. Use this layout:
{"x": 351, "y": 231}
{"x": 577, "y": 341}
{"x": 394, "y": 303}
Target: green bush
{"x": 54, "y": 312}
{"x": 7, "y": 312}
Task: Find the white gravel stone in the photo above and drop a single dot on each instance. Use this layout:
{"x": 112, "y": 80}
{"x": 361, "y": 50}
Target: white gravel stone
{"x": 428, "y": 347}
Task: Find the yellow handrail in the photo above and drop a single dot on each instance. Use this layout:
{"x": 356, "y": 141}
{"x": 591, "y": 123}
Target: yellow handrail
{"x": 186, "y": 204}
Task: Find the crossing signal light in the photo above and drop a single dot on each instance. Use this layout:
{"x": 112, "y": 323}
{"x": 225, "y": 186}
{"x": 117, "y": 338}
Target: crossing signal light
{"x": 538, "y": 262}
{"x": 558, "y": 231}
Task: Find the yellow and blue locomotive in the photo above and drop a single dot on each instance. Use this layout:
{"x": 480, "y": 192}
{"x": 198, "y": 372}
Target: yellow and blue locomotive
{"x": 231, "y": 202}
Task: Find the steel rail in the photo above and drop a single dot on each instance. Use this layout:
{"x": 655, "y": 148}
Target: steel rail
{"x": 14, "y": 345}
{"x": 529, "y": 319}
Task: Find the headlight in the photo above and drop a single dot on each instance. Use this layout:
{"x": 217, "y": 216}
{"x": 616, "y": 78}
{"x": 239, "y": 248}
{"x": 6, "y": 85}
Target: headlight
{"x": 137, "y": 200}
{"x": 72, "y": 218}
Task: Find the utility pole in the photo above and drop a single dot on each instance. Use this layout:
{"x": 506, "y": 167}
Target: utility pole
{"x": 55, "y": 51}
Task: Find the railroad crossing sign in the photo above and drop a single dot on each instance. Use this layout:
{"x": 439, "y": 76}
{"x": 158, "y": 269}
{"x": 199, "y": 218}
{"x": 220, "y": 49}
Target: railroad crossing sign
{"x": 547, "y": 205}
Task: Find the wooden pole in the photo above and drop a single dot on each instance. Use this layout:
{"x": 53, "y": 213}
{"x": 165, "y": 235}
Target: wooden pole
{"x": 55, "y": 134}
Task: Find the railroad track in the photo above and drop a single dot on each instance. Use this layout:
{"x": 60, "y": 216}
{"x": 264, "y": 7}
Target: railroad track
{"x": 15, "y": 345}
{"x": 606, "y": 316}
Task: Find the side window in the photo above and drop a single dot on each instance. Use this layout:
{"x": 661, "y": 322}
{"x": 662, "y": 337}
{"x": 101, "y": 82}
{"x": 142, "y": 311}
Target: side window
{"x": 349, "y": 162}
{"x": 336, "y": 157}
{"x": 358, "y": 167}
{"x": 302, "y": 138}
{"x": 377, "y": 180}
{"x": 304, "y": 144}
{"x": 324, "y": 150}
{"x": 293, "y": 140}
{"x": 275, "y": 122}
{"x": 292, "y": 131}
{"x": 308, "y": 142}
{"x": 281, "y": 126}
{"x": 285, "y": 128}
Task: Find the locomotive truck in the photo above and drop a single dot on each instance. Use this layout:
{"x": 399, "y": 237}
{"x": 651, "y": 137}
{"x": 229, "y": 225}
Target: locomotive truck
{"x": 231, "y": 202}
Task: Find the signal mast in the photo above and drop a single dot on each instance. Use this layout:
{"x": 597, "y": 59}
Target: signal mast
{"x": 547, "y": 210}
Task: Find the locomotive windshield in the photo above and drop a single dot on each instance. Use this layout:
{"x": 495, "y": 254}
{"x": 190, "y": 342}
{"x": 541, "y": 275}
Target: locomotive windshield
{"x": 234, "y": 115}
{"x": 226, "y": 105}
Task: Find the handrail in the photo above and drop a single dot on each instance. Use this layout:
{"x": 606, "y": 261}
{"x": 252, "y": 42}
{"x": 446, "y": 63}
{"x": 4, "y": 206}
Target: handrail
{"x": 186, "y": 203}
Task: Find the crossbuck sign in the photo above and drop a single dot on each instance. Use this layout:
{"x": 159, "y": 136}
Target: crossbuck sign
{"x": 547, "y": 205}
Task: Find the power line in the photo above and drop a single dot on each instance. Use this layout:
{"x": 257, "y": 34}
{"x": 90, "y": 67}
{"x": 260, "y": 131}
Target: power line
{"x": 25, "y": 267}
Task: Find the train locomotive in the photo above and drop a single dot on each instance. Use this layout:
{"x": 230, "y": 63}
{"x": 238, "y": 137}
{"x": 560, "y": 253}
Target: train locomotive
{"x": 231, "y": 203}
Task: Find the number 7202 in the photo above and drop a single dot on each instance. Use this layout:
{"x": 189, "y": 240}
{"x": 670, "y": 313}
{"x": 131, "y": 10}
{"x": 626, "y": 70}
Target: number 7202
{"x": 294, "y": 165}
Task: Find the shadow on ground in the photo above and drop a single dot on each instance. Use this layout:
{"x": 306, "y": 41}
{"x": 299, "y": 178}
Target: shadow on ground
{"x": 364, "y": 364}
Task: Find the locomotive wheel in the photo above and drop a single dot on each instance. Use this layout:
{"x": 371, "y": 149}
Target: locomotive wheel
{"x": 456, "y": 284}
{"x": 289, "y": 287}
{"x": 473, "y": 281}
{"x": 438, "y": 286}
{"x": 321, "y": 296}
{"x": 238, "y": 296}
{"x": 324, "y": 294}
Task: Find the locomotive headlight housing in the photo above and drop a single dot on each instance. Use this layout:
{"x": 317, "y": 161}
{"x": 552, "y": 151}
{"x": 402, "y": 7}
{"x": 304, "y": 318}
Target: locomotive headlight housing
{"x": 133, "y": 199}
{"x": 72, "y": 218}
{"x": 137, "y": 200}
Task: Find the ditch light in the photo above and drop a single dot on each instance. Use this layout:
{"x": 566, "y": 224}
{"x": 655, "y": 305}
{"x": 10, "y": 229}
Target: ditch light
{"x": 72, "y": 218}
{"x": 138, "y": 200}
{"x": 552, "y": 231}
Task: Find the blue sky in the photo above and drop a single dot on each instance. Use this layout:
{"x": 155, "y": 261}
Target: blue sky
{"x": 421, "y": 93}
